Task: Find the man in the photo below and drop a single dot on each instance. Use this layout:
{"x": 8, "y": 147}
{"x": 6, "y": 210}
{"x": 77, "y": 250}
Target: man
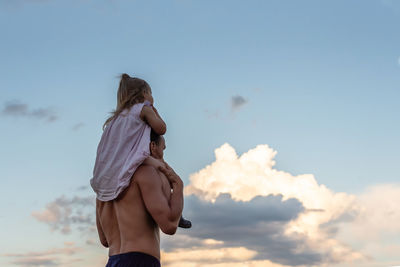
{"x": 157, "y": 147}
{"x": 130, "y": 225}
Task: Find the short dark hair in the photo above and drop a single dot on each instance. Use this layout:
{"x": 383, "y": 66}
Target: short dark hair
{"x": 154, "y": 137}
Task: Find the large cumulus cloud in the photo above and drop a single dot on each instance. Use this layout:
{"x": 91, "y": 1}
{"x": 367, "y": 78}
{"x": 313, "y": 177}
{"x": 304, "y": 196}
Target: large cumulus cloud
{"x": 306, "y": 238}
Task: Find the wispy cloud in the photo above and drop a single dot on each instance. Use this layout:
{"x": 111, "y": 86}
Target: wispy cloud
{"x": 36, "y": 261}
{"x": 82, "y": 188}
{"x": 64, "y": 213}
{"x": 50, "y": 257}
{"x": 212, "y": 114}
{"x": 237, "y": 102}
{"x": 207, "y": 256}
{"x": 78, "y": 126}
{"x": 92, "y": 242}
{"x": 17, "y": 109}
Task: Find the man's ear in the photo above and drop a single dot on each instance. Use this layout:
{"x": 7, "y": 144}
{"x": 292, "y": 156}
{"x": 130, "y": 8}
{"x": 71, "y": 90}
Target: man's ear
{"x": 152, "y": 146}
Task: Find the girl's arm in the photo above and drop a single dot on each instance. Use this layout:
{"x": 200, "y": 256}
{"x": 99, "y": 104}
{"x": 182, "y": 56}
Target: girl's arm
{"x": 153, "y": 119}
{"x": 155, "y": 111}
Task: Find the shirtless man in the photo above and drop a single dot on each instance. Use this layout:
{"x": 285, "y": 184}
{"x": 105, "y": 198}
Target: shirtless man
{"x": 130, "y": 225}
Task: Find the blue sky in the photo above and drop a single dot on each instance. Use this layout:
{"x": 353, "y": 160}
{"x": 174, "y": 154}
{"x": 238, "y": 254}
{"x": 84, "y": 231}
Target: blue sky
{"x": 317, "y": 82}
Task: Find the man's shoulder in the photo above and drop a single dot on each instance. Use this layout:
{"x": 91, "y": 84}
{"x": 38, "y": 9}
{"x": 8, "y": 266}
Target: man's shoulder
{"x": 146, "y": 174}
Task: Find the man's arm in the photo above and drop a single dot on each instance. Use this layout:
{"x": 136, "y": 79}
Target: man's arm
{"x": 102, "y": 237}
{"x": 166, "y": 212}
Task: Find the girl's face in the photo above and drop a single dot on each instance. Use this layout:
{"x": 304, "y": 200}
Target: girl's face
{"x": 148, "y": 96}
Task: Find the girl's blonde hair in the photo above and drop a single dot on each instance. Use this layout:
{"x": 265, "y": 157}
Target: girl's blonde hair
{"x": 130, "y": 91}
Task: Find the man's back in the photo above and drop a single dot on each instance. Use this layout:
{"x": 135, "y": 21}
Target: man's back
{"x": 126, "y": 224}
{"x": 128, "y": 215}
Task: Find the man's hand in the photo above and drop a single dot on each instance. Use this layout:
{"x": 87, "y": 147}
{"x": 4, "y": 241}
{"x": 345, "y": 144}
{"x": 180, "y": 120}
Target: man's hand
{"x": 171, "y": 175}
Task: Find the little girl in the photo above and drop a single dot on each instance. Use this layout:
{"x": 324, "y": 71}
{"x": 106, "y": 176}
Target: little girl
{"x": 125, "y": 142}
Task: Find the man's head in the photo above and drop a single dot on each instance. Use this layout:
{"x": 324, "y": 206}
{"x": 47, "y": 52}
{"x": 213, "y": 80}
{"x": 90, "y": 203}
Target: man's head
{"x": 157, "y": 145}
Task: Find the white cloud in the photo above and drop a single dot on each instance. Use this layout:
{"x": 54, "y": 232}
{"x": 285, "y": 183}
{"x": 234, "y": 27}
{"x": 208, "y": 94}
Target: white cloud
{"x": 376, "y": 230}
{"x": 380, "y": 211}
{"x": 252, "y": 174}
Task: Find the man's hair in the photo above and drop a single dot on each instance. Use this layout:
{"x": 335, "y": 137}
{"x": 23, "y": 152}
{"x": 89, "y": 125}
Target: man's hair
{"x": 154, "y": 137}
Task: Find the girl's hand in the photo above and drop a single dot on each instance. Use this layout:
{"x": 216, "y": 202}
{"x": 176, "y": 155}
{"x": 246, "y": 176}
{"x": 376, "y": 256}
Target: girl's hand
{"x": 153, "y": 119}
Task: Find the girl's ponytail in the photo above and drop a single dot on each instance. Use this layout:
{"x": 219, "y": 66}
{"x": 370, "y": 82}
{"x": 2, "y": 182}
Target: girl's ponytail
{"x": 125, "y": 76}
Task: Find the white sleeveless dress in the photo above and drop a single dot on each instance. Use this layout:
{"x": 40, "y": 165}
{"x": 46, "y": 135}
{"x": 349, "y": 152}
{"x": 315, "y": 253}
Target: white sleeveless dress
{"x": 124, "y": 145}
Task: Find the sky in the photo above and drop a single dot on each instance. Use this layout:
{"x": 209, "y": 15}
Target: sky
{"x": 282, "y": 121}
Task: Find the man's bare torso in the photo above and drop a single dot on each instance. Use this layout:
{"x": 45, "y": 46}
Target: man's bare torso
{"x": 126, "y": 223}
